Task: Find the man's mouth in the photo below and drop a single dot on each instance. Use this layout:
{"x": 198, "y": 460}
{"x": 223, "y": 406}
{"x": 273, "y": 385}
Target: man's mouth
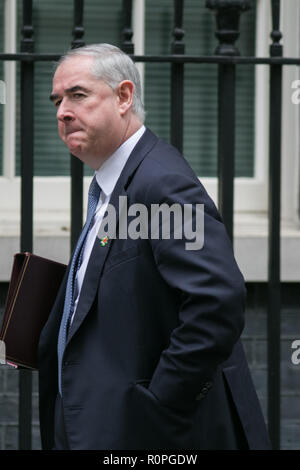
{"x": 72, "y": 131}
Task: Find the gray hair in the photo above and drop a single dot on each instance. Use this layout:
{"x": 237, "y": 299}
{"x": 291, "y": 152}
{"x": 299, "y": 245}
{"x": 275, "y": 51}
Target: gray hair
{"x": 112, "y": 66}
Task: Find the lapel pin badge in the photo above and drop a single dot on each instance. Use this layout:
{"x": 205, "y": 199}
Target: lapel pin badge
{"x": 104, "y": 241}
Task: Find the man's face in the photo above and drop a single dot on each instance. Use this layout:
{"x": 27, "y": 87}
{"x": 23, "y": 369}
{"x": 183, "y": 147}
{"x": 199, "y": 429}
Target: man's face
{"x": 88, "y": 111}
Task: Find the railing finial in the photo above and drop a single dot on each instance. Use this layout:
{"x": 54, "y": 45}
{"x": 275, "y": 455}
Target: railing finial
{"x": 276, "y": 47}
{"x": 227, "y": 16}
{"x": 178, "y": 32}
{"x": 127, "y": 33}
{"x": 78, "y": 30}
{"x": 27, "y": 41}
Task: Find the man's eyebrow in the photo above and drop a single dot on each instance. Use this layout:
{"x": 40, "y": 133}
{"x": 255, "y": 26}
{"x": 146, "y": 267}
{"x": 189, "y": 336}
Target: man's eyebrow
{"x": 73, "y": 89}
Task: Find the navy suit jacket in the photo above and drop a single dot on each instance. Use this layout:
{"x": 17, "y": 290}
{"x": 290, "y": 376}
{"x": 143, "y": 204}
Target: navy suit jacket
{"x": 153, "y": 358}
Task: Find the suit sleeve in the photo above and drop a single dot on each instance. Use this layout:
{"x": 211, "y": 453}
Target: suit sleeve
{"x": 212, "y": 293}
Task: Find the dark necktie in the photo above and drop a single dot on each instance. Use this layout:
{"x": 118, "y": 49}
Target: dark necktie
{"x": 94, "y": 194}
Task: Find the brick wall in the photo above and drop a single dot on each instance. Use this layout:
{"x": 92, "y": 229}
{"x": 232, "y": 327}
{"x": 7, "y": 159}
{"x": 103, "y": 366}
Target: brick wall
{"x": 254, "y": 340}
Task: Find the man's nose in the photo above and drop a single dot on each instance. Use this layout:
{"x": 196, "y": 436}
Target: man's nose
{"x": 64, "y": 114}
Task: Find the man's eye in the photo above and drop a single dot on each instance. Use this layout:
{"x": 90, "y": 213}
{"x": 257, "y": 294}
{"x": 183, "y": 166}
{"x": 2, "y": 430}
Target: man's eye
{"x": 78, "y": 95}
{"x": 57, "y": 103}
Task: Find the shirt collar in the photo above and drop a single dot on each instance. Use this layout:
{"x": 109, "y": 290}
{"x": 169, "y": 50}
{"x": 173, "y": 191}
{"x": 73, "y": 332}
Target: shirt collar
{"x": 109, "y": 172}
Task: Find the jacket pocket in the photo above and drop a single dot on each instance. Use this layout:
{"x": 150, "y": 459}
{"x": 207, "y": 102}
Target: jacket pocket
{"x": 158, "y": 426}
{"x": 144, "y": 382}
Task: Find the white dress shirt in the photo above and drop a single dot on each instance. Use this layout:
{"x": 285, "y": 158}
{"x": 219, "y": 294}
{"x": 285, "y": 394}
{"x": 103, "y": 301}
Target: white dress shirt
{"x": 107, "y": 177}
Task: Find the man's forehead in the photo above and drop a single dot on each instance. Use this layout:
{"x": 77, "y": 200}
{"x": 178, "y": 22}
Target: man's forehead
{"x": 76, "y": 61}
{"x": 72, "y": 66}
{"x": 71, "y": 73}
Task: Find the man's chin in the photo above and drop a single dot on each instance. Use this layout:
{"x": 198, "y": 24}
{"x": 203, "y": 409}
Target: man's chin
{"x": 78, "y": 152}
{"x": 74, "y": 144}
{"x": 75, "y": 150}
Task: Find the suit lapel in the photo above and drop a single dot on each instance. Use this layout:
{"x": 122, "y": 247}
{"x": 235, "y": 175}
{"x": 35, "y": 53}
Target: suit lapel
{"x": 99, "y": 253}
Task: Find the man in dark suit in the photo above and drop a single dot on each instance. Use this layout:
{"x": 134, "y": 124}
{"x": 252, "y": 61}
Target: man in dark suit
{"x": 141, "y": 349}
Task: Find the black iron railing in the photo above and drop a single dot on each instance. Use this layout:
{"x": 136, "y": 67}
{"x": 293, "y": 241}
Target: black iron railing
{"x": 228, "y": 58}
{"x": 27, "y": 160}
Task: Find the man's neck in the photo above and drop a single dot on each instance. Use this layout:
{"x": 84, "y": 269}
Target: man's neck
{"x": 132, "y": 126}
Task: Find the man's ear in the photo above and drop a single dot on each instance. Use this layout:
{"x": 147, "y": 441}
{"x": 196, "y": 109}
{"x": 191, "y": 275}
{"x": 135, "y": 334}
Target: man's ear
{"x": 125, "y": 92}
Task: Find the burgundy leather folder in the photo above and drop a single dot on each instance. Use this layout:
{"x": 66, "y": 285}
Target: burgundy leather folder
{"x": 32, "y": 291}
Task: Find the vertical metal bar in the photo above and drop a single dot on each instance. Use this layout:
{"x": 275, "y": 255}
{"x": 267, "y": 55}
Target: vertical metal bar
{"x": 27, "y": 141}
{"x": 227, "y": 18}
{"x": 127, "y": 33}
{"x": 76, "y": 164}
{"x": 177, "y": 79}
{"x": 76, "y": 199}
{"x": 274, "y": 294}
{"x": 226, "y": 144}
